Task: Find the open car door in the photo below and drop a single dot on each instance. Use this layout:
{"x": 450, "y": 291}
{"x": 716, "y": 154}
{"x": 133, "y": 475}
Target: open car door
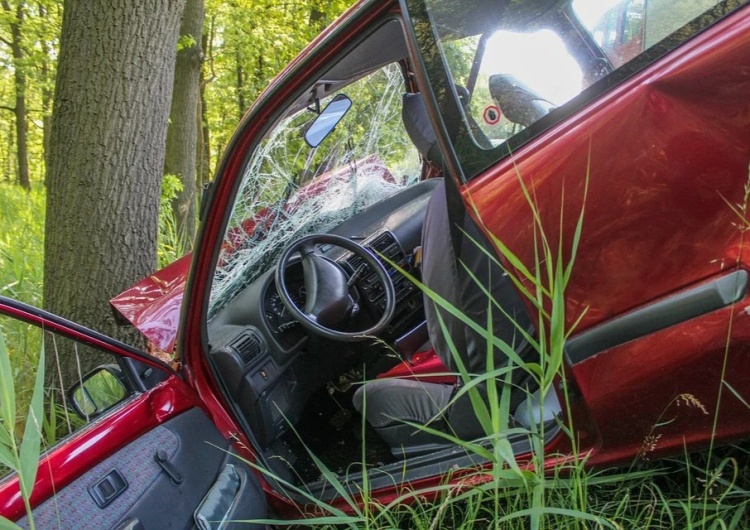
{"x": 128, "y": 445}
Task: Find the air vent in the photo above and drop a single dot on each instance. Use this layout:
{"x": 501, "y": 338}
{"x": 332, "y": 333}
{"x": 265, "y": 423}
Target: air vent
{"x": 382, "y": 242}
{"x": 354, "y": 261}
{"x": 247, "y": 345}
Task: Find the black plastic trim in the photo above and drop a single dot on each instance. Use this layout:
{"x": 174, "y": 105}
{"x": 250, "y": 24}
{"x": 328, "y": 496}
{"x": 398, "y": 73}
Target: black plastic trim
{"x": 672, "y": 310}
{"x": 429, "y": 465}
{"x": 29, "y": 313}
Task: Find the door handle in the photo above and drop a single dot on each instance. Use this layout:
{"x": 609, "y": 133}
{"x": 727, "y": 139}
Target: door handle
{"x": 108, "y": 488}
{"x": 174, "y": 474}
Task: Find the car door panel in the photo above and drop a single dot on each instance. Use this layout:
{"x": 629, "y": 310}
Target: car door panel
{"x": 660, "y": 166}
{"x": 663, "y": 154}
{"x": 149, "y": 462}
{"x": 655, "y": 395}
{"x": 694, "y": 302}
{"x": 105, "y": 436}
{"x": 195, "y": 451}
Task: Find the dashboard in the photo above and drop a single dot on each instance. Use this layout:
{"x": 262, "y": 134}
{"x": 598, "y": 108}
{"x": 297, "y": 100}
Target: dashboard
{"x": 263, "y": 354}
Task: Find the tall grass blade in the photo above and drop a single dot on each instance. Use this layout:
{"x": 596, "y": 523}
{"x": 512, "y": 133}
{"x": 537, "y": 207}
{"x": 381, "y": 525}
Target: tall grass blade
{"x": 5, "y": 524}
{"x": 7, "y": 389}
{"x": 32, "y": 436}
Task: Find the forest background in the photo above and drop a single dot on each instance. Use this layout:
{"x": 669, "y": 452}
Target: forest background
{"x": 80, "y": 174}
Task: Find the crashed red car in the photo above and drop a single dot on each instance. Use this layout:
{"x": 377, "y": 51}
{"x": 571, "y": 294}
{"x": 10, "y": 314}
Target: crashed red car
{"x": 441, "y": 121}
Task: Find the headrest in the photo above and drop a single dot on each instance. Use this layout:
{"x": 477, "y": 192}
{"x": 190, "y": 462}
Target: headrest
{"x": 517, "y": 101}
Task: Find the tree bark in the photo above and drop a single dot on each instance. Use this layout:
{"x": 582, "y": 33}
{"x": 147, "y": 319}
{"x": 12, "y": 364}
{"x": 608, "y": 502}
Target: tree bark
{"x": 106, "y": 157}
{"x": 184, "y": 125}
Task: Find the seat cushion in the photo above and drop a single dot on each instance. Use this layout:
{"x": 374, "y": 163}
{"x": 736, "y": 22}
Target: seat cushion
{"x": 388, "y": 403}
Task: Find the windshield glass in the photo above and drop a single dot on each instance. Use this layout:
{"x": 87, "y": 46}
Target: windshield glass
{"x": 291, "y": 189}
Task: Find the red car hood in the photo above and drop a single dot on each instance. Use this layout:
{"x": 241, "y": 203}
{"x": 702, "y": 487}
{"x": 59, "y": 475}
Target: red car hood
{"x": 153, "y": 304}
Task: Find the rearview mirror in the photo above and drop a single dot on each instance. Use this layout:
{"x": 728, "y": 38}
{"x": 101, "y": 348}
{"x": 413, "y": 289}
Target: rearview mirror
{"x": 327, "y": 120}
{"x": 98, "y": 391}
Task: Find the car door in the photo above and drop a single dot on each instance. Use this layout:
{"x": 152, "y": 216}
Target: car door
{"x": 646, "y": 131}
{"x": 144, "y": 455}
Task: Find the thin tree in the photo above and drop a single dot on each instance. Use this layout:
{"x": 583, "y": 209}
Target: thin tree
{"x": 107, "y": 144}
{"x": 184, "y": 121}
{"x": 17, "y": 15}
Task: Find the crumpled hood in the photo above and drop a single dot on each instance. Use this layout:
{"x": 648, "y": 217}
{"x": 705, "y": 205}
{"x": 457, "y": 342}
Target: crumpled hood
{"x": 153, "y": 304}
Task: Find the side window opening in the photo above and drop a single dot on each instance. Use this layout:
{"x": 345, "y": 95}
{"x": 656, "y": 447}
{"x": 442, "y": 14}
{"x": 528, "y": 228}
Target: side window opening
{"x": 534, "y": 57}
{"x": 626, "y": 28}
{"x": 66, "y": 409}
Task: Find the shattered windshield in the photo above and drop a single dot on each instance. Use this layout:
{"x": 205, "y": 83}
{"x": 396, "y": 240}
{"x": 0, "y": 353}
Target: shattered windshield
{"x": 290, "y": 189}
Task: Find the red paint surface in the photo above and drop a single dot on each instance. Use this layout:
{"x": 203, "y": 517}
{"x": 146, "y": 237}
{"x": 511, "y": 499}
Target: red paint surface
{"x": 153, "y": 304}
{"x": 668, "y": 151}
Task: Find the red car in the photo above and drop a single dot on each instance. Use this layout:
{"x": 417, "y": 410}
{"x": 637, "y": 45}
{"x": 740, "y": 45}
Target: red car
{"x": 434, "y": 139}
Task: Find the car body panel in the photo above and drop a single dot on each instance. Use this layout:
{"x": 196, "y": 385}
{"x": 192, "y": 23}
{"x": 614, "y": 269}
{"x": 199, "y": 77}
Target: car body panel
{"x": 666, "y": 155}
{"x": 101, "y": 438}
{"x": 656, "y": 162}
{"x": 663, "y": 151}
{"x": 153, "y": 305}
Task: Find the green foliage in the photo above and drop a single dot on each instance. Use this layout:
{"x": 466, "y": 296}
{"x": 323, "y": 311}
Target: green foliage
{"x": 39, "y": 39}
{"x": 249, "y": 43}
{"x": 185, "y": 41}
{"x": 169, "y": 243}
{"x": 21, "y": 243}
{"x": 20, "y": 456}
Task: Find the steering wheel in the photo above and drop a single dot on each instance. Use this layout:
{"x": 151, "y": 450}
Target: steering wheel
{"x": 328, "y": 301}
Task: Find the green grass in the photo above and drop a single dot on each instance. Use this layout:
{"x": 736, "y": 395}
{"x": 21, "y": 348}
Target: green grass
{"x": 22, "y": 243}
{"x": 20, "y": 452}
{"x": 21, "y": 274}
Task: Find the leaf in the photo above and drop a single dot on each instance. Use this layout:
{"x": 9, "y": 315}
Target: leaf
{"x": 6, "y": 524}
{"x": 6, "y": 456}
{"x": 7, "y": 388}
{"x": 32, "y": 435}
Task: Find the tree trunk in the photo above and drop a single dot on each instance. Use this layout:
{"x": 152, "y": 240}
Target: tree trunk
{"x": 204, "y": 142}
{"x": 106, "y": 157}
{"x": 16, "y": 46}
{"x": 46, "y": 92}
{"x": 182, "y": 136}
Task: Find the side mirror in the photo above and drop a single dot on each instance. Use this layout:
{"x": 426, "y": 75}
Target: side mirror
{"x": 327, "y": 120}
{"x": 100, "y": 390}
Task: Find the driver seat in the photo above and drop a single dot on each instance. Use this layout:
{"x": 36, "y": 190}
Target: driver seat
{"x": 389, "y": 405}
